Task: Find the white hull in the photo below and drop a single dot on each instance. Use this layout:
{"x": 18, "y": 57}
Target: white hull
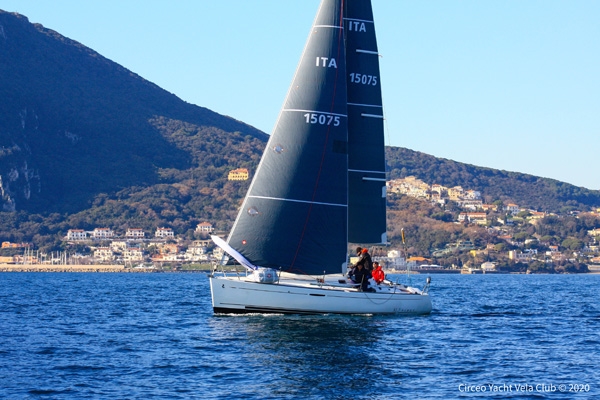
{"x": 233, "y": 294}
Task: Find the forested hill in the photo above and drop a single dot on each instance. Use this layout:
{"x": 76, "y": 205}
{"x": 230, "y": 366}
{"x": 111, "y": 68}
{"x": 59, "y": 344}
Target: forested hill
{"x": 74, "y": 124}
{"x": 529, "y": 191}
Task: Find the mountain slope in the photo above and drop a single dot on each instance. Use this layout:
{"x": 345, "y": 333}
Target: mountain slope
{"x": 74, "y": 124}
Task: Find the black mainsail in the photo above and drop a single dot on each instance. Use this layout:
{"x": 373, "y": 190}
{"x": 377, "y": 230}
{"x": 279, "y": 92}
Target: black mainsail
{"x": 327, "y": 144}
{"x": 366, "y": 146}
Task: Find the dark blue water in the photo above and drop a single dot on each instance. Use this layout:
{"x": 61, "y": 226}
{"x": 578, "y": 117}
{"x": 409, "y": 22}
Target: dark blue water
{"x": 134, "y": 336}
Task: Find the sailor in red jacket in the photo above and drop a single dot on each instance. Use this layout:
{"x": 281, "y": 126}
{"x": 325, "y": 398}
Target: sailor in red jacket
{"x": 378, "y": 273}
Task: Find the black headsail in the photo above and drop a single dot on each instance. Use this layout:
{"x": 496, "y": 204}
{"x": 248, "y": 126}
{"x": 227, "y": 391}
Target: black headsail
{"x": 294, "y": 216}
{"x": 366, "y": 146}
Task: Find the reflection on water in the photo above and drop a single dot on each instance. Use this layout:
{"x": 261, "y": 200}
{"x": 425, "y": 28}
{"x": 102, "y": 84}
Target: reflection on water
{"x": 313, "y": 355}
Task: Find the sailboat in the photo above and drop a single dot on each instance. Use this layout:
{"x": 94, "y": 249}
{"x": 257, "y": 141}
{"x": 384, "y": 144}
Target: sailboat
{"x": 320, "y": 186}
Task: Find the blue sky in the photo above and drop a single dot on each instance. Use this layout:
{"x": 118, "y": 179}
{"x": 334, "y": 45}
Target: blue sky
{"x": 510, "y": 84}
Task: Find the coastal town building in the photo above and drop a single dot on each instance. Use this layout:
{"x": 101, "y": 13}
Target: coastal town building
{"x": 76, "y": 234}
{"x": 170, "y": 249}
{"x": 470, "y": 204}
{"x": 118, "y": 245}
{"x": 472, "y": 194}
{"x": 196, "y": 254}
{"x": 164, "y": 233}
{"x": 239, "y": 174}
{"x": 519, "y": 256}
{"x": 102, "y": 233}
{"x": 479, "y": 218}
{"x": 489, "y": 207}
{"x": 218, "y": 253}
{"x": 594, "y": 232}
{"x": 512, "y": 208}
{"x": 104, "y": 254}
{"x": 133, "y": 254}
{"x": 202, "y": 243}
{"x": 488, "y": 267}
{"x": 9, "y": 245}
{"x": 535, "y": 216}
{"x": 455, "y": 193}
{"x": 134, "y": 233}
{"x": 204, "y": 227}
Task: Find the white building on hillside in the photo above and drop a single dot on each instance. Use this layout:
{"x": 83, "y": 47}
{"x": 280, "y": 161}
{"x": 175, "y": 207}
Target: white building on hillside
{"x": 164, "y": 233}
{"x": 102, "y": 233}
{"x": 134, "y": 233}
{"x": 205, "y": 227}
{"x": 76, "y": 234}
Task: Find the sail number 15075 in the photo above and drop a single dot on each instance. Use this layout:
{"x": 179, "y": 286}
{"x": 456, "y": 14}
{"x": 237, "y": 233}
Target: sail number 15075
{"x": 322, "y": 119}
{"x": 363, "y": 79}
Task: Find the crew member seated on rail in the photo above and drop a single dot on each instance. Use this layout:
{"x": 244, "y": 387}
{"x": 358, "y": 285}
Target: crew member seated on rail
{"x": 378, "y": 274}
{"x": 359, "y": 275}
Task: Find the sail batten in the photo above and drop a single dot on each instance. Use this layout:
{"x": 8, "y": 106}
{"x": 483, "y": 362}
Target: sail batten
{"x": 365, "y": 105}
{"x": 314, "y": 111}
{"x": 327, "y": 26}
{"x": 299, "y": 201}
{"x": 371, "y": 115}
{"x": 366, "y": 171}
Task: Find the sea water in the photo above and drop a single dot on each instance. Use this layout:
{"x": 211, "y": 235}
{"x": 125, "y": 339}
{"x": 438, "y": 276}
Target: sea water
{"x": 134, "y": 336}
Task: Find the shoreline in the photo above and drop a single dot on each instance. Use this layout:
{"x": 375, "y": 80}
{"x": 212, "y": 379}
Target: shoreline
{"x": 112, "y": 268}
{"x": 67, "y": 268}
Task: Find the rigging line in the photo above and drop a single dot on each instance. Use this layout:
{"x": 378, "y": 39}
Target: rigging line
{"x": 329, "y": 127}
